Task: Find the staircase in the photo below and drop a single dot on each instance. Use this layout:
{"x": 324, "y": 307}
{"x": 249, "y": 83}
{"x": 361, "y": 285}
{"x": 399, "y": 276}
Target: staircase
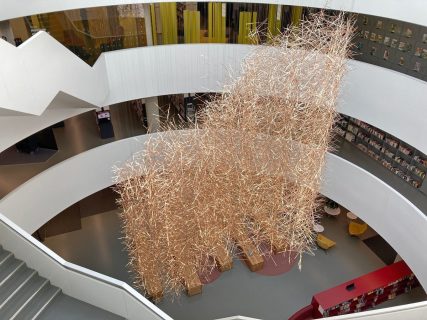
{"x": 24, "y": 295}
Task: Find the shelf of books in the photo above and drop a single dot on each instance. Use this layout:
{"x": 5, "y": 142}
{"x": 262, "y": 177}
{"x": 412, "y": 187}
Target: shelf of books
{"x": 402, "y": 159}
{"x": 365, "y": 292}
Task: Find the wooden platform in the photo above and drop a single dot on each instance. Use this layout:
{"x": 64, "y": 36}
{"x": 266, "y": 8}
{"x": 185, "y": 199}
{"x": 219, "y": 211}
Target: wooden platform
{"x": 192, "y": 283}
{"x": 154, "y": 288}
{"x": 250, "y": 254}
{"x": 223, "y": 260}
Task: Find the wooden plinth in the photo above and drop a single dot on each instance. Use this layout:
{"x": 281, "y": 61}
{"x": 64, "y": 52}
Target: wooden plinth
{"x": 154, "y": 287}
{"x": 192, "y": 283}
{"x": 223, "y": 260}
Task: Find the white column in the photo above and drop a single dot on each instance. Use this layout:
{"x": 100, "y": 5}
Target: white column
{"x": 6, "y": 31}
{"x": 152, "y": 110}
{"x": 147, "y": 20}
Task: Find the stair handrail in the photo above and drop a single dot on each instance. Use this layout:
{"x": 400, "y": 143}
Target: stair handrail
{"x": 22, "y": 234}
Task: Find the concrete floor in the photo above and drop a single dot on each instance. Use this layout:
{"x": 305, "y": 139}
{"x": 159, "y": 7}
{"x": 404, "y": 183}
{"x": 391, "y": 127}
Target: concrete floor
{"x": 97, "y": 246}
{"x": 79, "y": 134}
{"x": 64, "y": 307}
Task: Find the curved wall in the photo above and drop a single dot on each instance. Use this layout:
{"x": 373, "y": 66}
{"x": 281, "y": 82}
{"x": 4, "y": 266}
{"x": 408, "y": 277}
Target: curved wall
{"x": 411, "y": 11}
{"x": 388, "y": 100}
{"x": 387, "y": 211}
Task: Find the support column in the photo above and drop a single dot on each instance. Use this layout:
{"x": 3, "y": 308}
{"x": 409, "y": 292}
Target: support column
{"x": 147, "y": 21}
{"x": 152, "y": 110}
{"x": 6, "y": 31}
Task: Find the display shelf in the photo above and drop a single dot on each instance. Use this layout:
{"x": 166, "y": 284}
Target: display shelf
{"x": 402, "y": 159}
{"x": 364, "y": 292}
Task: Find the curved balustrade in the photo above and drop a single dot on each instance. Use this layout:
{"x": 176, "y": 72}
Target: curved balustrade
{"x": 83, "y": 284}
{"x": 369, "y": 93}
{"x": 397, "y": 220}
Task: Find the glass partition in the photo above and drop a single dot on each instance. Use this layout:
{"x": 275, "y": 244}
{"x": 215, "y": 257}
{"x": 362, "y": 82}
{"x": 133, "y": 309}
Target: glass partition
{"x": 89, "y": 32}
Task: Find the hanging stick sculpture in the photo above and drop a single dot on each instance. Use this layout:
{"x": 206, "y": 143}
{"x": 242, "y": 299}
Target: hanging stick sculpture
{"x": 248, "y": 172}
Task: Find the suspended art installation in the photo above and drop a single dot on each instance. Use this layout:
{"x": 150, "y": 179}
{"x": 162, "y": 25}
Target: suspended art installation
{"x": 247, "y": 173}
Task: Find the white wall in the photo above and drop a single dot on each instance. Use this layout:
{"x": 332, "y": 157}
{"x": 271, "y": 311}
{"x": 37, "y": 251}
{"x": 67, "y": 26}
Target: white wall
{"x": 412, "y": 11}
{"x": 32, "y": 74}
{"x": 384, "y": 98}
{"x": 388, "y": 212}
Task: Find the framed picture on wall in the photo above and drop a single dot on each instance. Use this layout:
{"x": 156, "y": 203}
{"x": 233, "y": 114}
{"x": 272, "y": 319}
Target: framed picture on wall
{"x": 387, "y": 41}
{"x": 393, "y": 43}
{"x": 386, "y": 54}
{"x": 365, "y": 20}
{"x": 379, "y": 24}
{"x": 402, "y": 46}
{"x": 380, "y": 38}
{"x": 394, "y": 28}
{"x": 417, "y": 67}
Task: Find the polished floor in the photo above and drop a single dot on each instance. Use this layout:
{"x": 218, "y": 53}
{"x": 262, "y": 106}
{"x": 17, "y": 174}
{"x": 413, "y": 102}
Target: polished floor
{"x": 79, "y": 134}
{"x": 98, "y": 246}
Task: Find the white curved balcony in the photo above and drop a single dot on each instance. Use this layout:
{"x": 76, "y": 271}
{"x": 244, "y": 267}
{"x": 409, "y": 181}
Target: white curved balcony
{"x": 67, "y": 86}
{"x": 398, "y": 221}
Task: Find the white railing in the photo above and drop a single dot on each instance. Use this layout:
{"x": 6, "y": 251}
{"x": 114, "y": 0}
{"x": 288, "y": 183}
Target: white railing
{"x": 86, "y": 285}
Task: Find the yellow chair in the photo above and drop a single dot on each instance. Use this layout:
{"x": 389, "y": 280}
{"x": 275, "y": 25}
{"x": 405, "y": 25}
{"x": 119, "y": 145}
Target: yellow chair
{"x": 357, "y": 229}
{"x": 324, "y": 243}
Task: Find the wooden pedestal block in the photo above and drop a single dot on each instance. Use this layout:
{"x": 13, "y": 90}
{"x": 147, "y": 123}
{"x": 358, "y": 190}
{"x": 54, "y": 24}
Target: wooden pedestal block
{"x": 223, "y": 260}
{"x": 154, "y": 287}
{"x": 192, "y": 283}
{"x": 279, "y": 248}
{"x": 252, "y": 257}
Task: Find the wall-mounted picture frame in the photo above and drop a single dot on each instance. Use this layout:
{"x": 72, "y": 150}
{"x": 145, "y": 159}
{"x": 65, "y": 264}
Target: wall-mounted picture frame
{"x": 365, "y": 20}
{"x": 417, "y": 67}
{"x": 387, "y": 41}
{"x": 380, "y": 38}
{"x": 393, "y": 43}
{"x": 379, "y": 24}
{"x": 402, "y": 46}
{"x": 394, "y": 28}
{"x": 386, "y": 54}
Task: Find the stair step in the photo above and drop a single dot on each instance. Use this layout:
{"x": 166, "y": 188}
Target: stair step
{"x": 3, "y": 255}
{"x": 8, "y": 267}
{"x": 38, "y": 303}
{"x": 2, "y": 251}
{"x": 22, "y": 297}
{"x": 14, "y": 283}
